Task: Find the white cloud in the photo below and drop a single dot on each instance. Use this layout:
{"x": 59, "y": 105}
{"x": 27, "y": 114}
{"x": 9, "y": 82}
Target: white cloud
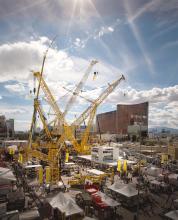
{"x": 97, "y": 34}
{"x": 111, "y": 29}
{"x": 20, "y": 113}
{"x": 17, "y": 59}
{"x": 103, "y": 31}
{"x": 163, "y": 110}
{"x": 19, "y": 88}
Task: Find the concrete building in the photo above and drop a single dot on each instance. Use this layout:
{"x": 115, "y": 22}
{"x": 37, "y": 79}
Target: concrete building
{"x": 3, "y": 127}
{"x": 6, "y": 127}
{"x": 125, "y": 118}
{"x": 106, "y": 153}
{"x": 10, "y": 127}
{"x": 173, "y": 151}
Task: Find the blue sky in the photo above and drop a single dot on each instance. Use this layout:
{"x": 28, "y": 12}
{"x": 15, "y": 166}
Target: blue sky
{"x": 135, "y": 37}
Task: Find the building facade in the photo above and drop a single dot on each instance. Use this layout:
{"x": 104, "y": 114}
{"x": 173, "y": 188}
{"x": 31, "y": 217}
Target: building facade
{"x": 126, "y": 117}
{"x": 106, "y": 122}
{"x": 6, "y": 127}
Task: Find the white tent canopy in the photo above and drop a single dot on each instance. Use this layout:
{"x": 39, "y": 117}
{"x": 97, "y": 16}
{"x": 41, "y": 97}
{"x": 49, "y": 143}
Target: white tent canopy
{"x": 65, "y": 204}
{"x": 106, "y": 199}
{"x": 6, "y": 175}
{"x": 95, "y": 172}
{"x": 172, "y": 215}
{"x": 153, "y": 171}
{"x": 116, "y": 186}
{"x": 128, "y": 191}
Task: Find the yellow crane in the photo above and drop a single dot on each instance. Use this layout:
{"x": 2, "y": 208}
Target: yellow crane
{"x": 35, "y": 147}
{"x": 97, "y": 101}
{"x": 90, "y": 114}
{"x": 78, "y": 88}
{"x": 64, "y": 129}
{"x": 42, "y": 117}
{"x": 91, "y": 110}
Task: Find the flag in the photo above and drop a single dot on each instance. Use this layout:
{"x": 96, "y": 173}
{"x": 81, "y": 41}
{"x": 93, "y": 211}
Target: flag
{"x": 125, "y": 166}
{"x": 67, "y": 157}
{"x": 119, "y": 166}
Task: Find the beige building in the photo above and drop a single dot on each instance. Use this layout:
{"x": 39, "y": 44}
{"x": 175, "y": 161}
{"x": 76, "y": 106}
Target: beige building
{"x": 173, "y": 151}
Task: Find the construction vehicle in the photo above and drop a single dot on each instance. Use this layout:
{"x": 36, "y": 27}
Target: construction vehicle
{"x": 81, "y": 179}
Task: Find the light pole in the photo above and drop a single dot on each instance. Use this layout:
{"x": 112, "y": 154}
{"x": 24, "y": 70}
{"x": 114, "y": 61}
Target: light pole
{"x": 138, "y": 199}
{"x": 7, "y": 126}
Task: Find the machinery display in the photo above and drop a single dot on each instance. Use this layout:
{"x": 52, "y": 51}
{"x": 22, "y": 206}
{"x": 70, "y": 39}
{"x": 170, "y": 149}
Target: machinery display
{"x": 46, "y": 147}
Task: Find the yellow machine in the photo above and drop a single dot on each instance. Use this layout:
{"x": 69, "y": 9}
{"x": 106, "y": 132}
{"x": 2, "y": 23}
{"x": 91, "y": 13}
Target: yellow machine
{"x": 53, "y": 144}
{"x": 164, "y": 158}
{"x": 119, "y": 166}
{"x": 40, "y": 175}
{"x": 36, "y": 147}
{"x": 125, "y": 166}
{"x": 48, "y": 148}
{"x": 90, "y": 113}
{"x": 82, "y": 179}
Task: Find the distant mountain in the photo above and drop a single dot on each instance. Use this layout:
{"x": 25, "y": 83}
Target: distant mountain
{"x": 163, "y": 129}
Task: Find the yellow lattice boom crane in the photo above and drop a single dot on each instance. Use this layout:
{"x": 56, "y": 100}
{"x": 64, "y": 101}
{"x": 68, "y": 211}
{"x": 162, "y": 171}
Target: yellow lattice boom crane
{"x": 35, "y": 147}
{"x": 78, "y": 88}
{"x": 65, "y": 131}
{"x": 89, "y": 114}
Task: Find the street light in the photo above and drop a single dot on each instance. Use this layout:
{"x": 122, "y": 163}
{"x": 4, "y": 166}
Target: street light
{"x": 139, "y": 173}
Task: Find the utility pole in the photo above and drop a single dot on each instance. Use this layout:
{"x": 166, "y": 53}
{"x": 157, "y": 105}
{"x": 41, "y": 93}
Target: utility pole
{"x": 139, "y": 172}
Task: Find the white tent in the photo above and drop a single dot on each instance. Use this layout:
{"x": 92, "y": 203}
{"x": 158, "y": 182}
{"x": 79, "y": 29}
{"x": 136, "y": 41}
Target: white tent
{"x": 173, "y": 179}
{"x": 65, "y": 204}
{"x": 116, "y": 186}
{"x": 14, "y": 147}
{"x": 72, "y": 208}
{"x": 128, "y": 191}
{"x": 6, "y": 175}
{"x": 106, "y": 199}
{"x": 172, "y": 215}
{"x": 153, "y": 171}
{"x": 95, "y": 172}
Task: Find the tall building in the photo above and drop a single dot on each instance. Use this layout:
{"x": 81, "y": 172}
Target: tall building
{"x": 3, "y": 128}
{"x": 10, "y": 127}
{"x": 127, "y": 118}
{"x": 6, "y": 127}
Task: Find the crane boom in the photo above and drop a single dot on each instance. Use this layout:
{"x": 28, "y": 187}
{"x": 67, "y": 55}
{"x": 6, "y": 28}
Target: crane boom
{"x": 49, "y": 97}
{"x": 59, "y": 115}
{"x": 41, "y": 114}
{"x": 85, "y": 98}
{"x": 79, "y": 87}
{"x": 97, "y": 102}
{"x": 37, "y": 94}
{"x": 84, "y": 140}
